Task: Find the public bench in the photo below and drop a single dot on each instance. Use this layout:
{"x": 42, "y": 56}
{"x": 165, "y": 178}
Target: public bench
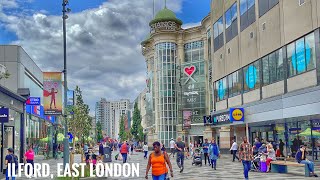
{"x": 282, "y": 167}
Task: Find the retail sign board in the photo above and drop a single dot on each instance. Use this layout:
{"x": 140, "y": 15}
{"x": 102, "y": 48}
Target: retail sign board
{"x": 221, "y": 119}
{"x": 187, "y": 116}
{"x": 4, "y": 115}
{"x": 236, "y": 114}
{"x": 52, "y": 93}
{"x": 35, "y": 101}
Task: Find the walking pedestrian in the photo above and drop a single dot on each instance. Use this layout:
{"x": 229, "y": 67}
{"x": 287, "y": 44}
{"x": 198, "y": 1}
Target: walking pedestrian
{"x": 158, "y": 161}
{"x": 36, "y": 149}
{"x": 234, "y": 149}
{"x": 214, "y": 153}
{"x": 172, "y": 147}
{"x": 205, "y": 149}
{"x": 180, "y": 147}
{"x": 246, "y": 156}
{"x": 145, "y": 150}
{"x": 163, "y": 148}
{"x": 29, "y": 157}
{"x": 101, "y": 151}
{"x": 124, "y": 150}
{"x": 191, "y": 147}
{"x": 132, "y": 148}
{"x": 10, "y": 158}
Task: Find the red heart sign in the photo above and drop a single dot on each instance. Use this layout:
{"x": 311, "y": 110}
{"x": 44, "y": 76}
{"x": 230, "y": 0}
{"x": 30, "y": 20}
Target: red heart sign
{"x": 190, "y": 70}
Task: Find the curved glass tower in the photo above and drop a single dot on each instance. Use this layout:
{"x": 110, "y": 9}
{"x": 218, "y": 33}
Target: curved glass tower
{"x": 166, "y": 121}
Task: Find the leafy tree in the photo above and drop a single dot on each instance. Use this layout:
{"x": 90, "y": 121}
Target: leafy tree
{"x": 80, "y": 124}
{"x": 122, "y": 131}
{"x": 99, "y": 131}
{"x": 136, "y": 129}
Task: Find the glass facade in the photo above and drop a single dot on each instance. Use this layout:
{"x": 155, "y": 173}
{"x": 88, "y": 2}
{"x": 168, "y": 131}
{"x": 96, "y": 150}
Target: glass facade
{"x": 247, "y": 13}
{"x": 221, "y": 89}
{"x": 193, "y": 81}
{"x": 218, "y": 34}
{"x": 272, "y": 67}
{"x": 301, "y": 55}
{"x": 231, "y": 17}
{"x": 166, "y": 77}
{"x": 251, "y": 76}
{"x": 235, "y": 83}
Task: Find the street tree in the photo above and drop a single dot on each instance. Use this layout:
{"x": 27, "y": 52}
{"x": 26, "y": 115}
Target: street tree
{"x": 136, "y": 129}
{"x": 99, "y": 131}
{"x": 122, "y": 130}
{"x": 80, "y": 124}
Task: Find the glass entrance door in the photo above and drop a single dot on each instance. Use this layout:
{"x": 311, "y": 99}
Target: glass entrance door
{"x": 8, "y": 141}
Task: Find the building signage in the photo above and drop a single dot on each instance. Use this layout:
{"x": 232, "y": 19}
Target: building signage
{"x": 189, "y": 71}
{"x": 168, "y": 25}
{"x": 34, "y": 101}
{"x": 4, "y": 115}
{"x": 236, "y": 114}
{"x": 207, "y": 120}
{"x": 221, "y": 119}
{"x": 191, "y": 93}
{"x": 52, "y": 93}
{"x": 70, "y": 96}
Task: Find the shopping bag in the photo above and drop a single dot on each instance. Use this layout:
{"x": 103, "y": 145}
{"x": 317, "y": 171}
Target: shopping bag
{"x": 117, "y": 156}
{"x": 120, "y": 157}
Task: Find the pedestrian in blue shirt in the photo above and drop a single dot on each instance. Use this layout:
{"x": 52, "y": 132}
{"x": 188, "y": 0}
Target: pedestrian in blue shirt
{"x": 214, "y": 153}
{"x": 205, "y": 147}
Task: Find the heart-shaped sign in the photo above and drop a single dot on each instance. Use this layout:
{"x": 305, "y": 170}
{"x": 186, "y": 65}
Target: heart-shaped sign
{"x": 189, "y": 70}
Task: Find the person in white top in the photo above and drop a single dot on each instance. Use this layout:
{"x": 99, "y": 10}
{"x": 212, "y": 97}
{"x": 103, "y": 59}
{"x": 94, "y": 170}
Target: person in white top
{"x": 191, "y": 147}
{"x": 145, "y": 150}
{"x": 234, "y": 149}
{"x": 172, "y": 147}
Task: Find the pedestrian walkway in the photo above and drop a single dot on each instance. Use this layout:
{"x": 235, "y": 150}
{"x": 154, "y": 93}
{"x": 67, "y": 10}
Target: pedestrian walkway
{"x": 226, "y": 170}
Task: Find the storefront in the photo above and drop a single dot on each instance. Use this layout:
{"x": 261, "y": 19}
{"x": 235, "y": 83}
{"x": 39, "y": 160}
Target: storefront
{"x": 12, "y": 131}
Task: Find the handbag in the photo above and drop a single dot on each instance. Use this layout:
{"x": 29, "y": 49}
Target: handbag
{"x": 4, "y": 171}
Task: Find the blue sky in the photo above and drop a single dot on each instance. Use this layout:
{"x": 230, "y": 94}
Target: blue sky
{"x": 192, "y": 11}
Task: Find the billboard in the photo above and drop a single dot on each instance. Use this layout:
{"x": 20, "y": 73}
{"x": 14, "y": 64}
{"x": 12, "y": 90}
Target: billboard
{"x": 4, "y": 115}
{"x": 187, "y": 116}
{"x": 52, "y": 93}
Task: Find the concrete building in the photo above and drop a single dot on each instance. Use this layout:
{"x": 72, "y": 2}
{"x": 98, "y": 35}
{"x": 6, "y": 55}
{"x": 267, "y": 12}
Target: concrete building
{"x": 254, "y": 66}
{"x": 109, "y": 114}
{"x": 178, "y": 81}
{"x": 266, "y": 64}
{"x": 25, "y": 74}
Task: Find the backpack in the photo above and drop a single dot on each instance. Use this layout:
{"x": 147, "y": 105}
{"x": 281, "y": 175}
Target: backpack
{"x": 14, "y": 161}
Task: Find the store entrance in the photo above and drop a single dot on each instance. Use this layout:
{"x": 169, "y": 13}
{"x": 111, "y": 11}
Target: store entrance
{"x": 196, "y": 140}
{"x": 7, "y": 141}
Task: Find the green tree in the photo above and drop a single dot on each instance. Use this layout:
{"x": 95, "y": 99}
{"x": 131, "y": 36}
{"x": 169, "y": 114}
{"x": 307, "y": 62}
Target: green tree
{"x": 136, "y": 129}
{"x": 99, "y": 131}
{"x": 81, "y": 123}
{"x": 122, "y": 130}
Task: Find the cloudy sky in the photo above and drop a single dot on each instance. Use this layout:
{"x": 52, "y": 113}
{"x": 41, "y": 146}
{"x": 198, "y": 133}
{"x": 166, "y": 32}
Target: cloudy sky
{"x": 103, "y": 39}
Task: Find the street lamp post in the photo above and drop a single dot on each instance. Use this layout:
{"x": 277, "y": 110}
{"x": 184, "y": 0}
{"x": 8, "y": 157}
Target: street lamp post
{"x": 66, "y": 153}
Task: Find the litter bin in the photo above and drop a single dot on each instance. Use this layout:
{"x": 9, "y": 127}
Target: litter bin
{"x": 107, "y": 154}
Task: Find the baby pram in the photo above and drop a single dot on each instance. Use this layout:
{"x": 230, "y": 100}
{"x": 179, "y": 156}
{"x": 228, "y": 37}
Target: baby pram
{"x": 197, "y": 157}
{"x": 259, "y": 157}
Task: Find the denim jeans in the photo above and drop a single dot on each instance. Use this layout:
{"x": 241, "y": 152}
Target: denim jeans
{"x": 246, "y": 168}
{"x": 309, "y": 164}
{"x": 145, "y": 154}
{"x": 213, "y": 163}
{"x": 124, "y": 157}
{"x": 180, "y": 159}
{"x": 161, "y": 177}
{"x": 7, "y": 175}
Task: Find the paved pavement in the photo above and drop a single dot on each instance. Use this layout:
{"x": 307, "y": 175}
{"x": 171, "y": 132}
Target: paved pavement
{"x": 226, "y": 169}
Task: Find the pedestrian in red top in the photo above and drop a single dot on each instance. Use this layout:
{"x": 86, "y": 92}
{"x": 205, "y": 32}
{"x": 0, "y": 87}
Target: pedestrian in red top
{"x": 29, "y": 156}
{"x": 124, "y": 150}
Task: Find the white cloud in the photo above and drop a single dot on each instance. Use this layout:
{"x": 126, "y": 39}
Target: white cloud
{"x": 8, "y": 4}
{"x": 190, "y": 25}
{"x": 103, "y": 46}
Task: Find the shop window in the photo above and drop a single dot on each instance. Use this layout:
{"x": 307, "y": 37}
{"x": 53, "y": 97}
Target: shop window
{"x": 194, "y": 51}
{"x": 247, "y": 13}
{"x": 218, "y": 34}
{"x": 266, "y": 5}
{"x": 272, "y": 65}
{"x": 221, "y": 89}
{"x": 251, "y": 76}
{"x": 301, "y": 55}
{"x": 234, "y": 83}
{"x": 231, "y": 22}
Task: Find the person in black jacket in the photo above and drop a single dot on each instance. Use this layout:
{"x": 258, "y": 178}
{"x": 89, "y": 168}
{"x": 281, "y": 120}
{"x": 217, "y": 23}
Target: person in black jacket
{"x": 101, "y": 152}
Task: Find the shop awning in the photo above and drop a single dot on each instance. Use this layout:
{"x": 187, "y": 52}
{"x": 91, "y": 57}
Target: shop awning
{"x": 307, "y": 132}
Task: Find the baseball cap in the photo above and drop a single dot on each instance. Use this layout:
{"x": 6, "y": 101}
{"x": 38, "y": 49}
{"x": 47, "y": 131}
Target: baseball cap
{"x": 171, "y": 138}
{"x": 10, "y": 149}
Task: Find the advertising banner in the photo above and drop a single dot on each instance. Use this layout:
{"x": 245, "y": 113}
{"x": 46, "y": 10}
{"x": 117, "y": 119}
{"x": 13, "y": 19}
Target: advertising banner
{"x": 187, "y": 116}
{"x": 70, "y": 97}
{"x": 52, "y": 93}
{"x": 34, "y": 101}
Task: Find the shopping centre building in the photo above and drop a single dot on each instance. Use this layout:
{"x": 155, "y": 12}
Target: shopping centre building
{"x": 260, "y": 57}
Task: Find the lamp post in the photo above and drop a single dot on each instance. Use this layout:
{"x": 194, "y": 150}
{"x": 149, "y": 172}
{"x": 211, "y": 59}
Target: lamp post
{"x": 66, "y": 153}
